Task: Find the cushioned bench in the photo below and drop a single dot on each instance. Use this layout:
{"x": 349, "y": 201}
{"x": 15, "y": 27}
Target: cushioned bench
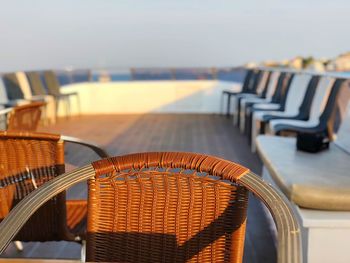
{"x": 319, "y": 186}
{"x": 316, "y": 181}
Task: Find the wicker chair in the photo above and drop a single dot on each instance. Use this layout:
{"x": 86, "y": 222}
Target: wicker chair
{"x": 22, "y": 118}
{"x": 27, "y": 161}
{"x": 159, "y": 207}
{"x": 25, "y": 117}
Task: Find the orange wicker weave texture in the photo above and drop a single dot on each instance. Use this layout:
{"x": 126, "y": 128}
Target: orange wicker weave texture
{"x": 27, "y": 160}
{"x": 26, "y": 117}
{"x": 166, "y": 207}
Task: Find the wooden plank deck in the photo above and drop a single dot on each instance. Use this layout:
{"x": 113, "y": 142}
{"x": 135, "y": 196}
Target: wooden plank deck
{"x": 122, "y": 134}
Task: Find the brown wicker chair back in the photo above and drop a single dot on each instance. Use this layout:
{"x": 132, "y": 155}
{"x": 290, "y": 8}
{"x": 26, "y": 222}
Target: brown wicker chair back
{"x": 27, "y": 162}
{"x": 160, "y": 207}
{"x": 25, "y": 117}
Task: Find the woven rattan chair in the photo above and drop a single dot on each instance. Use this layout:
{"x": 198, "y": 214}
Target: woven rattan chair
{"x": 54, "y": 89}
{"x": 22, "y": 118}
{"x": 27, "y": 161}
{"x": 25, "y": 117}
{"x": 166, "y": 207}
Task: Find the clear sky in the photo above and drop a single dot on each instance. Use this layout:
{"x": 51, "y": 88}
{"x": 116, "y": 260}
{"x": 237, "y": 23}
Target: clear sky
{"x": 36, "y": 34}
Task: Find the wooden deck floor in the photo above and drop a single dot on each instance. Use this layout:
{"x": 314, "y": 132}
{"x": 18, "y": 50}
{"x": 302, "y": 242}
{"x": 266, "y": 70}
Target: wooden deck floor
{"x": 122, "y": 134}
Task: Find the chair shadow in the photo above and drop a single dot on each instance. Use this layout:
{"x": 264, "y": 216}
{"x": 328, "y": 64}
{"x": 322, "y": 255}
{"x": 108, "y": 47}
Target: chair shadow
{"x": 159, "y": 247}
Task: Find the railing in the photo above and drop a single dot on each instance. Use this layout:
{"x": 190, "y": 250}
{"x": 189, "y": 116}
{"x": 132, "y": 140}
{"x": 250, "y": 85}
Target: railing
{"x": 144, "y": 74}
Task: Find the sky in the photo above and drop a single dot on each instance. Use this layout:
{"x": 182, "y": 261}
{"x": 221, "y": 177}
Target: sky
{"x": 119, "y": 34}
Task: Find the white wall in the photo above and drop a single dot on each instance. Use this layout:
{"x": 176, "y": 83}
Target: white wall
{"x": 148, "y": 96}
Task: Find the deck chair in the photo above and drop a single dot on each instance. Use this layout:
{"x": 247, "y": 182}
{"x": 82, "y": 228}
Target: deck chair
{"x": 279, "y": 97}
{"x": 245, "y": 86}
{"x": 318, "y": 104}
{"x": 54, "y": 89}
{"x": 324, "y": 109}
{"x": 266, "y": 97}
{"x": 27, "y": 161}
{"x": 293, "y": 101}
{"x": 49, "y": 109}
{"x": 166, "y": 206}
{"x": 14, "y": 94}
{"x": 341, "y": 119}
{"x": 278, "y": 103}
{"x": 18, "y": 92}
{"x": 261, "y": 84}
{"x": 273, "y": 103}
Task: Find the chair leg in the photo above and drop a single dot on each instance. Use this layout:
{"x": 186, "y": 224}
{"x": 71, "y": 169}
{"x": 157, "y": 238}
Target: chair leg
{"x": 242, "y": 119}
{"x": 221, "y": 107}
{"x": 57, "y": 106}
{"x": 78, "y": 105}
{"x": 228, "y": 105}
{"x": 256, "y": 126}
{"x": 67, "y": 102}
{"x": 83, "y": 251}
{"x": 18, "y": 245}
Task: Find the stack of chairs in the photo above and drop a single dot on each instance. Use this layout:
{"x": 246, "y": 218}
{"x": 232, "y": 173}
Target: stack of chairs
{"x": 25, "y": 87}
{"x": 286, "y": 102}
{"x": 16, "y": 91}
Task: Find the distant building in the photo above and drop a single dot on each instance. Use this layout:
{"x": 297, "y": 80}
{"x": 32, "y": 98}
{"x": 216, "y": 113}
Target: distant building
{"x": 341, "y": 63}
{"x": 316, "y": 65}
{"x": 251, "y": 65}
{"x": 296, "y": 63}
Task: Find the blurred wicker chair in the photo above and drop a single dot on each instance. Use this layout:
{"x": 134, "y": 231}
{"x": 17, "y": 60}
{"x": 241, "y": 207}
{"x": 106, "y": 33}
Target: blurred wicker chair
{"x": 27, "y": 161}
{"x": 22, "y": 118}
{"x": 54, "y": 87}
{"x": 25, "y": 117}
{"x": 157, "y": 207}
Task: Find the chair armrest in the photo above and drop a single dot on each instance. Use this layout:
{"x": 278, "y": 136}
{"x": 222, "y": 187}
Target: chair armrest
{"x": 5, "y": 111}
{"x": 97, "y": 149}
{"x": 289, "y": 235}
{"x": 279, "y": 116}
{"x": 21, "y": 213}
{"x": 266, "y": 106}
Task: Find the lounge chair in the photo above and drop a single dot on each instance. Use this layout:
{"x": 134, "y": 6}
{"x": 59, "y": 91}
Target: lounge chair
{"x": 13, "y": 93}
{"x": 323, "y": 110}
{"x": 49, "y": 111}
{"x": 261, "y": 84}
{"x": 293, "y": 100}
{"x": 245, "y": 87}
{"x": 266, "y": 97}
{"x": 54, "y": 89}
{"x": 274, "y": 103}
